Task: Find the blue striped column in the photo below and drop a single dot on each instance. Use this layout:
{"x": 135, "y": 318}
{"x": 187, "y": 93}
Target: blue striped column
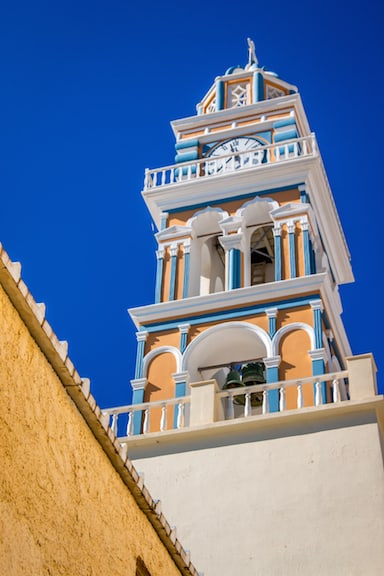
{"x": 181, "y": 380}
{"x": 183, "y": 329}
{"x": 277, "y": 239}
{"x": 187, "y": 265}
{"x": 232, "y": 246}
{"x": 318, "y": 355}
{"x": 292, "y": 250}
{"x": 258, "y": 87}
{"x": 306, "y": 247}
{"x": 141, "y": 338}
{"x": 163, "y": 220}
{"x": 159, "y": 273}
{"x": 271, "y": 315}
{"x": 138, "y": 388}
{"x": 272, "y": 376}
{"x": 220, "y": 95}
{"x": 172, "y": 281}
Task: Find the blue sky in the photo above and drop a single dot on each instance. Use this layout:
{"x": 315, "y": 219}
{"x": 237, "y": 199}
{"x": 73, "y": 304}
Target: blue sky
{"x": 88, "y": 90}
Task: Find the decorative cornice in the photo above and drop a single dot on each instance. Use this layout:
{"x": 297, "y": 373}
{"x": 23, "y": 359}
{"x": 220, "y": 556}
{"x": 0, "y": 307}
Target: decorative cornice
{"x": 231, "y": 241}
{"x": 272, "y": 362}
{"x": 141, "y": 336}
{"x": 271, "y": 312}
{"x": 139, "y": 384}
{"x": 318, "y": 354}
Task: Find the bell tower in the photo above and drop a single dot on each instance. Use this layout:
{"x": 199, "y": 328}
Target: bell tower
{"x": 251, "y": 422}
{"x": 250, "y": 251}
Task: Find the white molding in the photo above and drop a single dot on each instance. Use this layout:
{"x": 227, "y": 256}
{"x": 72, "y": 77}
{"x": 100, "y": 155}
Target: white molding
{"x": 139, "y": 384}
{"x": 289, "y": 328}
{"x": 318, "y": 354}
{"x": 162, "y": 350}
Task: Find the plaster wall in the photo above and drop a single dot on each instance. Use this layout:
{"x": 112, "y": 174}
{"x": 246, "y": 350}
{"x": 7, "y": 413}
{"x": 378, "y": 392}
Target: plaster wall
{"x": 64, "y": 510}
{"x": 298, "y": 499}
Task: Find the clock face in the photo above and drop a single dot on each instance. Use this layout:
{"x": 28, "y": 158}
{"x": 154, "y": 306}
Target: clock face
{"x": 234, "y": 154}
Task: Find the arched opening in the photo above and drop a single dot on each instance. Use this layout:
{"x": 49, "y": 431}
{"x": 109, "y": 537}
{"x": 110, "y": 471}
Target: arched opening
{"x": 212, "y": 271}
{"x": 262, "y": 255}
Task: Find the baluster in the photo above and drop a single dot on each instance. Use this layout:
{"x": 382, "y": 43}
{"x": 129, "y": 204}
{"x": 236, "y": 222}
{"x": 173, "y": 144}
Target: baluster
{"x": 318, "y": 394}
{"x": 163, "y": 177}
{"x": 189, "y": 172}
{"x": 172, "y": 175}
{"x": 180, "y": 416}
{"x": 300, "y": 399}
{"x": 277, "y": 153}
{"x": 163, "y": 421}
{"x": 268, "y": 156}
{"x": 314, "y": 147}
{"x": 265, "y": 406}
{"x": 295, "y": 149}
{"x": 130, "y": 423}
{"x": 335, "y": 390}
{"x": 230, "y": 408}
{"x": 197, "y": 166}
{"x": 305, "y": 147}
{"x": 146, "y": 421}
{"x": 247, "y": 407}
{"x": 282, "y": 399}
{"x": 114, "y": 423}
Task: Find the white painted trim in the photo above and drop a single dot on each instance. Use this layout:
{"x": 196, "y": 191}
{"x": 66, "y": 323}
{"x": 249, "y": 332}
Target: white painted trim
{"x": 289, "y": 328}
{"x": 162, "y": 350}
{"x": 256, "y": 330}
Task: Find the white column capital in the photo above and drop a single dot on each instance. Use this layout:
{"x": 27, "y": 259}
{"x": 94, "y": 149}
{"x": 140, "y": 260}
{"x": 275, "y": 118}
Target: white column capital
{"x": 271, "y": 312}
{"x": 231, "y": 241}
{"x": 187, "y": 245}
{"x": 318, "y": 354}
{"x": 317, "y": 305}
{"x": 160, "y": 251}
{"x": 141, "y": 336}
{"x": 180, "y": 377}
{"x": 291, "y": 226}
{"x": 174, "y": 249}
{"x": 184, "y": 328}
{"x": 272, "y": 361}
{"x": 139, "y": 384}
{"x": 277, "y": 228}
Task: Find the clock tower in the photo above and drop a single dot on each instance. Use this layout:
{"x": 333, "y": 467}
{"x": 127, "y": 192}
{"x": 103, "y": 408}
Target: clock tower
{"x": 251, "y": 421}
{"x": 250, "y": 251}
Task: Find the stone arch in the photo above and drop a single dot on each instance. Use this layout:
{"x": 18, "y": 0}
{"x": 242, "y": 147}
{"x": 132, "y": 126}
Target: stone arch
{"x": 209, "y": 356}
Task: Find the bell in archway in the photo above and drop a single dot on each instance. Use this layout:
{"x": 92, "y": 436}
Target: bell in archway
{"x": 233, "y": 379}
{"x": 252, "y": 374}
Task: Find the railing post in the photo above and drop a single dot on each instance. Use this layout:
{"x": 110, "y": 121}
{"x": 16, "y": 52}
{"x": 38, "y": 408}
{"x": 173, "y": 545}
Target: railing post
{"x": 205, "y": 408}
{"x": 362, "y": 376}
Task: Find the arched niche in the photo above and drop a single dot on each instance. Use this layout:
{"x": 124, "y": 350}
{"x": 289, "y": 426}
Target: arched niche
{"x": 211, "y": 353}
{"x": 207, "y": 259}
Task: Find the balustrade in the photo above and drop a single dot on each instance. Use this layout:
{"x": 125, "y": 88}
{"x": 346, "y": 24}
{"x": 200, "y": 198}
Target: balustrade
{"x": 207, "y": 167}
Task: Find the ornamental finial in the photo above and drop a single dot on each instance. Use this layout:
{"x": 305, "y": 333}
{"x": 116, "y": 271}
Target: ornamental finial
{"x": 252, "y": 60}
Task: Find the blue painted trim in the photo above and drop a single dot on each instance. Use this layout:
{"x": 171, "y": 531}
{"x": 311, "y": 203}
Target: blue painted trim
{"x": 187, "y": 156}
{"x": 236, "y": 313}
{"x": 284, "y": 122}
{"x": 318, "y": 367}
{"x": 312, "y": 257}
{"x": 232, "y": 198}
{"x": 258, "y": 87}
{"x": 272, "y": 375}
{"x": 219, "y": 95}
{"x": 186, "y": 144}
{"x": 187, "y": 262}
{"x": 292, "y": 255}
{"x": 318, "y": 328}
{"x": 179, "y": 392}
{"x": 234, "y": 269}
{"x": 172, "y": 280}
{"x": 307, "y": 253}
{"x": 278, "y": 264}
{"x": 137, "y": 398}
{"x": 183, "y": 341}
{"x": 139, "y": 359}
{"x": 303, "y": 196}
{"x": 286, "y": 135}
{"x": 272, "y": 326}
{"x": 159, "y": 279}
{"x": 163, "y": 222}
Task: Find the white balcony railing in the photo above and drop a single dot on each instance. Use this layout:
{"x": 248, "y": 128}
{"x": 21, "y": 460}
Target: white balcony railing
{"x": 122, "y": 418}
{"x": 215, "y": 166}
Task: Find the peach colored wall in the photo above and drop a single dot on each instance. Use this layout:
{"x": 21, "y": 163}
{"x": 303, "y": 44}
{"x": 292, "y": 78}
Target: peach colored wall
{"x": 64, "y": 510}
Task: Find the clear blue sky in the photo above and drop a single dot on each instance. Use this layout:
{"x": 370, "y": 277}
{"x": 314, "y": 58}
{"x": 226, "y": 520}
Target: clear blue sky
{"x": 88, "y": 90}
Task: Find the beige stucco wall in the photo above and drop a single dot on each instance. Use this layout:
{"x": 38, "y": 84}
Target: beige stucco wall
{"x": 64, "y": 509}
{"x": 282, "y": 496}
